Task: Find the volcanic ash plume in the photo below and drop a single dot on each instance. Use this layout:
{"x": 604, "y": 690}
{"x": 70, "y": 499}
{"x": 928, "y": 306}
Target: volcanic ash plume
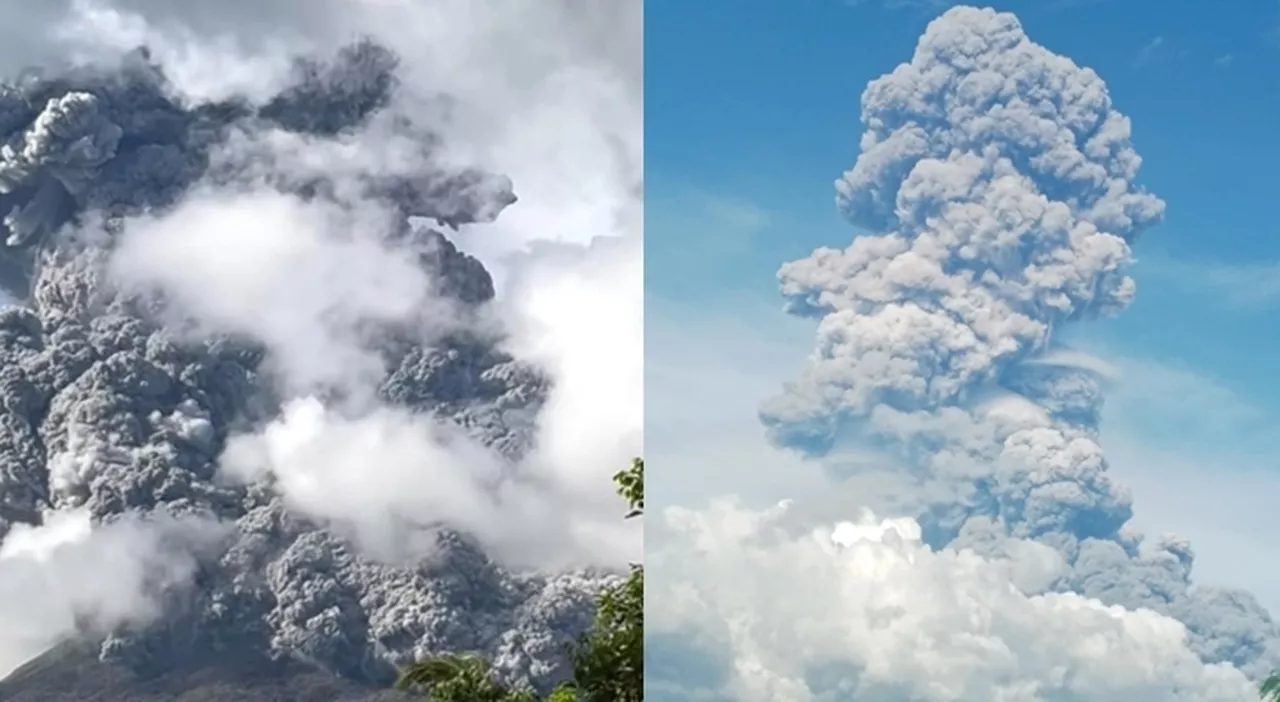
{"x": 997, "y": 181}
{"x": 191, "y": 276}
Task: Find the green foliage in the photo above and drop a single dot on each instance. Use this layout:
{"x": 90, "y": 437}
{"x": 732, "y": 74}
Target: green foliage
{"x": 1270, "y": 688}
{"x": 630, "y": 484}
{"x": 458, "y": 678}
{"x": 564, "y": 693}
{"x": 608, "y": 661}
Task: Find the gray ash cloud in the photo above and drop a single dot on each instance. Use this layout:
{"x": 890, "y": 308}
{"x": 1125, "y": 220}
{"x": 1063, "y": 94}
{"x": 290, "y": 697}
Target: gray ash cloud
{"x": 106, "y": 406}
{"x": 998, "y": 184}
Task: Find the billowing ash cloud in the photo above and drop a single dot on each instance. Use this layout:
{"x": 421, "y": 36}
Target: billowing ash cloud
{"x": 248, "y": 359}
{"x": 996, "y": 182}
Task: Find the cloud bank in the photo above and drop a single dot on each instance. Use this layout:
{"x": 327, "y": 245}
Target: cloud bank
{"x": 863, "y": 610}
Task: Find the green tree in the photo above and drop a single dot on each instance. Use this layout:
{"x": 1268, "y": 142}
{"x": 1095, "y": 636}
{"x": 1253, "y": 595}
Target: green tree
{"x": 608, "y": 661}
{"x": 1270, "y": 688}
{"x": 458, "y": 678}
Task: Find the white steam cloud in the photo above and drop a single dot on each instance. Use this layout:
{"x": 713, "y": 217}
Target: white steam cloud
{"x": 70, "y": 576}
{"x": 281, "y": 270}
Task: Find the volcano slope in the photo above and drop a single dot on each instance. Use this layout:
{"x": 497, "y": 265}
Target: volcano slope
{"x": 116, "y": 408}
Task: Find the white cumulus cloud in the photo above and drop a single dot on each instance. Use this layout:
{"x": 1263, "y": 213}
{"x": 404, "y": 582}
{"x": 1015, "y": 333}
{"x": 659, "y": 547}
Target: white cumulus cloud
{"x": 863, "y": 610}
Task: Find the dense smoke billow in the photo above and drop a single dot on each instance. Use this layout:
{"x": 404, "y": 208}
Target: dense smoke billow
{"x": 996, "y": 188}
{"x": 1003, "y": 181}
{"x": 255, "y": 394}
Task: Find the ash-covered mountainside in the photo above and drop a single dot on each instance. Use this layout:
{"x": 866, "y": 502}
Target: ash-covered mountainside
{"x": 106, "y": 407}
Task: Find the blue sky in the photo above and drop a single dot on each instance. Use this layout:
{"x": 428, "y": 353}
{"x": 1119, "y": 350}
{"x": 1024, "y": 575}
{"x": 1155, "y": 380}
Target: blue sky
{"x": 752, "y": 112}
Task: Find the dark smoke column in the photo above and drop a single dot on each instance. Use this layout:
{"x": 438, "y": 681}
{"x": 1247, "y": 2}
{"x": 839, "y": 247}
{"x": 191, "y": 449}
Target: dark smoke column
{"x": 999, "y": 184}
{"x": 105, "y": 409}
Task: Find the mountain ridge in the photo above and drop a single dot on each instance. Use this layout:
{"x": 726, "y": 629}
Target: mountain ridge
{"x": 72, "y": 672}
